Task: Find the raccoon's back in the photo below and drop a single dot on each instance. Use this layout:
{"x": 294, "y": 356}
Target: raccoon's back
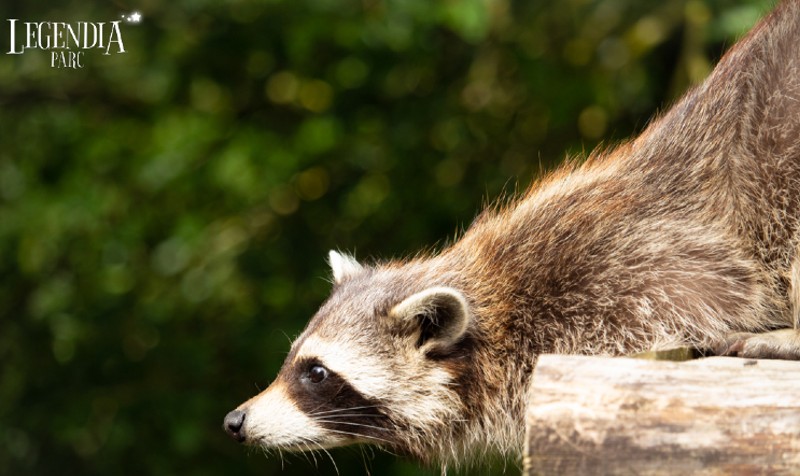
{"x": 732, "y": 145}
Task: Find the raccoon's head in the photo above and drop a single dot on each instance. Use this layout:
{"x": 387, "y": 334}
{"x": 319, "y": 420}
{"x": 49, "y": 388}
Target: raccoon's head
{"x": 384, "y": 361}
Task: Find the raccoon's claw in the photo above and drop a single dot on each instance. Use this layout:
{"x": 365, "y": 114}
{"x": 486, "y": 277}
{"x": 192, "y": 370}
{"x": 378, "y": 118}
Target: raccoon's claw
{"x": 780, "y": 344}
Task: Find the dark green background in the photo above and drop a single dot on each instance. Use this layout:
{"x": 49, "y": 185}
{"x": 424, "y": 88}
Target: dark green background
{"x": 165, "y": 213}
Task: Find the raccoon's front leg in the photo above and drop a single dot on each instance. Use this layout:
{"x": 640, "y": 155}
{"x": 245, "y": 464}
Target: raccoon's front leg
{"x": 779, "y": 344}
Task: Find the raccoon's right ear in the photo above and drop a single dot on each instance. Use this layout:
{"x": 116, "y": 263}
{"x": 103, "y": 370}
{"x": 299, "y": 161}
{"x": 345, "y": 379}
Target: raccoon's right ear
{"x": 343, "y": 265}
{"x": 439, "y": 314}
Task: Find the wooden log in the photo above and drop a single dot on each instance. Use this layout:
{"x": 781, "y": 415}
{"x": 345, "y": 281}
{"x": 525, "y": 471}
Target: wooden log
{"x": 713, "y": 416}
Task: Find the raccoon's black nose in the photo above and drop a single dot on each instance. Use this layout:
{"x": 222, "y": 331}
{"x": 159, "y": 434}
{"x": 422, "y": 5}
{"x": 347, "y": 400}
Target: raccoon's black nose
{"x": 234, "y": 422}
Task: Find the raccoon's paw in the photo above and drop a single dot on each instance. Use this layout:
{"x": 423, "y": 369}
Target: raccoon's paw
{"x": 780, "y": 344}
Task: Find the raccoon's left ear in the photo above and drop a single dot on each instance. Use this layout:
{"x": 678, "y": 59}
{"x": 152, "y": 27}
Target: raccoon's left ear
{"x": 441, "y": 315}
{"x": 343, "y": 266}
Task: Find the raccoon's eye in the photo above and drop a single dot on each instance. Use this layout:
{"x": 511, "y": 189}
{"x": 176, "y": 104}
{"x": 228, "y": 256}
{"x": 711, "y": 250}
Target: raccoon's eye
{"x": 317, "y": 374}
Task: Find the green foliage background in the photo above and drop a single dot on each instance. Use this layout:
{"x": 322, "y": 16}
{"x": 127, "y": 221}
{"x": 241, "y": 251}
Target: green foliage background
{"x": 165, "y": 213}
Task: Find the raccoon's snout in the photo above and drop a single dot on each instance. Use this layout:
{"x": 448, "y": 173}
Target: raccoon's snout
{"x": 234, "y": 425}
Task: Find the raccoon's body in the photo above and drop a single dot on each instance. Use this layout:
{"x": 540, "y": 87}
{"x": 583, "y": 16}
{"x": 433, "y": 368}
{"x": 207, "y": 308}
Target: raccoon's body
{"x": 687, "y": 235}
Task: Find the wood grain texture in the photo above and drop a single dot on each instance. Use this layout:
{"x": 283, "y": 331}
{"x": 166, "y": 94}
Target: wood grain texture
{"x": 714, "y": 416}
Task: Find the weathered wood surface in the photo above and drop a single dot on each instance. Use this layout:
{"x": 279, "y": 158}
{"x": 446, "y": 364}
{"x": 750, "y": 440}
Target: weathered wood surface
{"x": 714, "y": 416}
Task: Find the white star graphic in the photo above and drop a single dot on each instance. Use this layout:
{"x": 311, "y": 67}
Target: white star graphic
{"x": 136, "y": 17}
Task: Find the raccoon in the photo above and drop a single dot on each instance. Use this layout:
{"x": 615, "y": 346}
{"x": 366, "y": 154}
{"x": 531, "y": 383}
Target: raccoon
{"x": 684, "y": 236}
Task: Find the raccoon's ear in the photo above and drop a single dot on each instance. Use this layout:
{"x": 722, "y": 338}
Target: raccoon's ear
{"x": 441, "y": 314}
{"x": 343, "y": 265}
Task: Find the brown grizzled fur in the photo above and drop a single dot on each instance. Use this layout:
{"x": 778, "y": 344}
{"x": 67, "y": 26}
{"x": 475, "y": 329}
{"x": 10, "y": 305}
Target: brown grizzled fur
{"x": 687, "y": 235}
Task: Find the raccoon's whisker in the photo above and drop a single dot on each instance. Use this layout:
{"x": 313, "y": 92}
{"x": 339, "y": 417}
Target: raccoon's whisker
{"x": 363, "y": 459}
{"x": 350, "y": 433}
{"x": 320, "y": 452}
{"x": 345, "y": 415}
{"x": 314, "y": 453}
{"x": 322, "y": 448}
{"x": 350, "y": 423}
{"x": 305, "y": 453}
{"x": 337, "y": 410}
{"x": 311, "y": 452}
{"x": 371, "y": 451}
{"x": 280, "y": 455}
{"x": 384, "y": 449}
{"x": 288, "y": 339}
